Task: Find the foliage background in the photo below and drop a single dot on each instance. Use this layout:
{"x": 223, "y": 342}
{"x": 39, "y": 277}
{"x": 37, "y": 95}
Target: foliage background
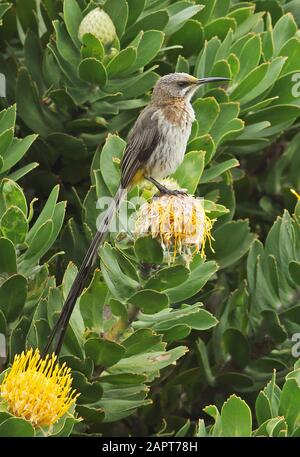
{"x": 228, "y": 322}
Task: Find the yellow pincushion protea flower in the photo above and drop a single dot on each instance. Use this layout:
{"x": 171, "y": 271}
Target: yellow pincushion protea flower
{"x": 37, "y": 389}
{"x": 179, "y": 222}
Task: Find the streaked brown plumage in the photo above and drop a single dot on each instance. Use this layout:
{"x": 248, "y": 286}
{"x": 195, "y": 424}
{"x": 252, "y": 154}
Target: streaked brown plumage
{"x": 155, "y": 148}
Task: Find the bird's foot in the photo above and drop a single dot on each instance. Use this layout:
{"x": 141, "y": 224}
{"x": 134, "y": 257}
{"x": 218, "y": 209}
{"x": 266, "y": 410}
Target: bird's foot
{"x": 164, "y": 190}
{"x": 176, "y": 192}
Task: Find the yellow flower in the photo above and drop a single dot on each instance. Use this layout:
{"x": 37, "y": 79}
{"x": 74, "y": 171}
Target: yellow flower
{"x": 37, "y": 389}
{"x": 179, "y": 222}
{"x": 295, "y": 193}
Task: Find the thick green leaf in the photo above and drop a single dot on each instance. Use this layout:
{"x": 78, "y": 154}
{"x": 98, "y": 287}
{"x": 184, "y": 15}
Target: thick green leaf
{"x": 148, "y": 250}
{"x": 121, "y": 285}
{"x": 14, "y": 225}
{"x": 8, "y": 260}
{"x": 148, "y": 47}
{"x": 73, "y": 18}
{"x": 188, "y": 174}
{"x": 157, "y": 18}
{"x": 289, "y": 406}
{"x": 109, "y": 162}
{"x": 121, "y": 62}
{"x": 236, "y": 418}
{"x": 11, "y": 194}
{"x": 104, "y": 352}
{"x": 149, "y": 301}
{"x": 231, "y": 241}
{"x": 197, "y": 279}
{"x": 92, "y": 71}
{"x": 118, "y": 12}
{"x": 237, "y": 346}
{"x": 168, "y": 277}
{"x": 178, "y": 19}
{"x": 92, "y": 302}
{"x": 92, "y": 47}
{"x": 16, "y": 427}
{"x": 13, "y": 294}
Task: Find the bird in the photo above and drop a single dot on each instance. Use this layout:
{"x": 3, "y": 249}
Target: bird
{"x": 155, "y": 148}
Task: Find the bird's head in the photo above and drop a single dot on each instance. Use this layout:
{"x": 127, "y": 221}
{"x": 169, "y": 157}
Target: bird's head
{"x": 180, "y": 85}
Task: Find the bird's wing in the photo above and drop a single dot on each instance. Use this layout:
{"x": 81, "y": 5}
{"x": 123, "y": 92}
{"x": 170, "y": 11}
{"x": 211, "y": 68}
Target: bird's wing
{"x": 143, "y": 139}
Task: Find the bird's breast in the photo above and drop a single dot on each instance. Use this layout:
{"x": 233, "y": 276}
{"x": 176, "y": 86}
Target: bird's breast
{"x": 169, "y": 153}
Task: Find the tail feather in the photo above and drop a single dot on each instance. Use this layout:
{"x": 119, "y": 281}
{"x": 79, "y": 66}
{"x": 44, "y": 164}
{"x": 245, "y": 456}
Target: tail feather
{"x": 57, "y": 334}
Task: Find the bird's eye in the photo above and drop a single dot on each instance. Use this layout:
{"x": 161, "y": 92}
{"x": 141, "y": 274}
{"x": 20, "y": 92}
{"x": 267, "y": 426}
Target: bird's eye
{"x": 182, "y": 84}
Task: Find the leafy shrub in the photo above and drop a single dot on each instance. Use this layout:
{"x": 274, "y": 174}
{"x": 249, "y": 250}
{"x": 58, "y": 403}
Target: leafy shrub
{"x": 149, "y": 342}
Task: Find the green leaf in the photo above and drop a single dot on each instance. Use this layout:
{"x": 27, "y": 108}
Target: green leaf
{"x": 167, "y": 278}
{"x": 13, "y": 294}
{"x": 136, "y": 7}
{"x": 92, "y": 302}
{"x": 121, "y": 285}
{"x": 232, "y": 240}
{"x": 227, "y": 124}
{"x": 8, "y": 118}
{"x": 188, "y": 174}
{"x": 37, "y": 246}
{"x": 176, "y": 333}
{"x": 197, "y": 279}
{"x": 262, "y": 408}
{"x": 91, "y": 415}
{"x": 35, "y": 115}
{"x": 159, "y": 18}
{"x": 237, "y": 346}
{"x": 11, "y": 194}
{"x": 46, "y": 213}
{"x": 190, "y": 37}
{"x": 16, "y": 151}
{"x": 121, "y": 62}
{"x": 236, "y": 418}
{"x": 109, "y": 162}
{"x": 140, "y": 341}
{"x": 284, "y": 29}
{"x": 104, "y": 352}
{"x": 16, "y": 427}
{"x": 289, "y": 406}
{"x": 8, "y": 260}
{"x": 92, "y": 71}
{"x": 206, "y": 111}
{"x": 219, "y": 27}
{"x": 216, "y": 170}
{"x": 249, "y": 57}
{"x": 148, "y": 47}
{"x": 118, "y": 12}
{"x": 5, "y": 141}
{"x": 90, "y": 391}
{"x": 92, "y": 47}
{"x": 294, "y": 270}
{"x": 150, "y": 301}
{"x": 148, "y": 250}
{"x": 178, "y": 19}
{"x": 64, "y": 44}
{"x": 3, "y": 8}
{"x": 18, "y": 174}
{"x": 72, "y": 18}
{"x": 148, "y": 362}
{"x": 14, "y": 225}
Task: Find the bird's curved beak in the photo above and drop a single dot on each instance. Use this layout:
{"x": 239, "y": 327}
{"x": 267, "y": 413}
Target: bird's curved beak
{"x": 212, "y": 79}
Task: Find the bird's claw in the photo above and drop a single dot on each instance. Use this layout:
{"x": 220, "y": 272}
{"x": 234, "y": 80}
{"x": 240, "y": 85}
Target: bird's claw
{"x": 176, "y": 192}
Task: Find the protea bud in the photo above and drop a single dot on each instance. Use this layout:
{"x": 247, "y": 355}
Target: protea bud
{"x": 98, "y": 23}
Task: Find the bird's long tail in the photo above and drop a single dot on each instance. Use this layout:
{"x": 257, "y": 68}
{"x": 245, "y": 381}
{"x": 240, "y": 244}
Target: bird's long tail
{"x": 57, "y": 334}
